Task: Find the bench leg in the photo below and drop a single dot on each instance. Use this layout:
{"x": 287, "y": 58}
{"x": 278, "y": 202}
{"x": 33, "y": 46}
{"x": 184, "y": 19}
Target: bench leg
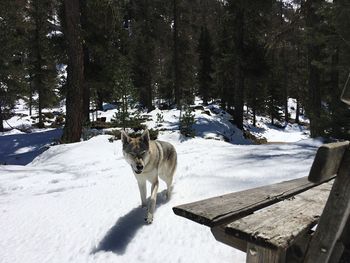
{"x": 257, "y": 254}
{"x": 342, "y": 245}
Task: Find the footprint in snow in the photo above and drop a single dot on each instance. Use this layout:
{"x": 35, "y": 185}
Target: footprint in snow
{"x": 54, "y": 181}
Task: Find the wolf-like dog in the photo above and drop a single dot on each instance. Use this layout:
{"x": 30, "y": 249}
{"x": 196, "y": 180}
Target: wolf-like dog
{"x": 150, "y": 160}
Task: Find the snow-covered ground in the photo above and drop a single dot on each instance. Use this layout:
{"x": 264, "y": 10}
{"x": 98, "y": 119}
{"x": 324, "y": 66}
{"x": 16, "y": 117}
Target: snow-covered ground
{"x": 21, "y": 148}
{"x": 215, "y": 126}
{"x": 23, "y": 120}
{"x": 290, "y": 132}
{"x": 80, "y": 202}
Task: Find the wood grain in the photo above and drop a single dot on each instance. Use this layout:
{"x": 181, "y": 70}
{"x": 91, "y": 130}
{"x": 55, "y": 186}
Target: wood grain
{"x": 218, "y": 210}
{"x": 327, "y": 161}
{"x": 220, "y": 235}
{"x": 257, "y": 254}
{"x": 279, "y": 225}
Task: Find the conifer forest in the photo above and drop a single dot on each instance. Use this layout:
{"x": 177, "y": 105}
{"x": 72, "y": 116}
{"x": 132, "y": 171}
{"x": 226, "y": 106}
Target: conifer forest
{"x": 248, "y": 56}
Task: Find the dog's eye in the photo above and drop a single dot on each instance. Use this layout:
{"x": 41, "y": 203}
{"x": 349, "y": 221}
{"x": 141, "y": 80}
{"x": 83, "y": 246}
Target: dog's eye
{"x": 143, "y": 152}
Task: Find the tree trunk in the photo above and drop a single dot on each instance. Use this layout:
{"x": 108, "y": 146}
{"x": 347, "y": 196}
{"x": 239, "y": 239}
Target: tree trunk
{"x": 313, "y": 49}
{"x": 335, "y": 101}
{"x": 1, "y": 120}
{"x": 298, "y": 91}
{"x": 285, "y": 70}
{"x": 176, "y": 57}
{"x": 75, "y": 89}
{"x": 239, "y": 91}
{"x": 99, "y": 101}
{"x": 86, "y": 99}
{"x": 38, "y": 65}
{"x": 285, "y": 89}
{"x": 297, "y": 112}
{"x": 149, "y": 93}
{"x": 272, "y": 112}
{"x": 30, "y": 96}
{"x": 40, "y": 106}
{"x": 254, "y": 113}
{"x": 314, "y": 93}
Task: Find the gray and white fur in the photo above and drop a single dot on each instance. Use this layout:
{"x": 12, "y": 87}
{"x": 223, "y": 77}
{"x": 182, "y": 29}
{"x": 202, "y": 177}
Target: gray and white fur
{"x": 150, "y": 160}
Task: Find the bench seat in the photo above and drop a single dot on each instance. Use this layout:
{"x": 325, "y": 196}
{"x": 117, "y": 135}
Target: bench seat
{"x": 218, "y": 210}
{"x": 279, "y": 225}
{"x": 273, "y": 223}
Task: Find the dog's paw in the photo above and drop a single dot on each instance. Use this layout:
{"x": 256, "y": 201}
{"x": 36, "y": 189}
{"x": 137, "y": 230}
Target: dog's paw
{"x": 166, "y": 195}
{"x": 149, "y": 218}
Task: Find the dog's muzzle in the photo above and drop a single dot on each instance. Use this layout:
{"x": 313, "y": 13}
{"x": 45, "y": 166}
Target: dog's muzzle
{"x": 139, "y": 169}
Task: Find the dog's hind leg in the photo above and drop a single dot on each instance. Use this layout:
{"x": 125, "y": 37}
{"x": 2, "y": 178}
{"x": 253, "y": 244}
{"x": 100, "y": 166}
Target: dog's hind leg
{"x": 169, "y": 180}
{"x": 167, "y": 177}
{"x": 152, "y": 202}
{"x": 169, "y": 185}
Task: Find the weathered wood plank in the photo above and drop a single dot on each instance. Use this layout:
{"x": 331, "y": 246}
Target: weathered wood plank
{"x": 220, "y": 235}
{"x": 335, "y": 215}
{"x": 327, "y": 161}
{"x": 345, "y": 96}
{"x": 218, "y": 210}
{"x": 342, "y": 244}
{"x": 257, "y": 254}
{"x": 345, "y": 245}
{"x": 337, "y": 252}
{"x": 296, "y": 252}
{"x": 346, "y": 235}
{"x": 279, "y": 225}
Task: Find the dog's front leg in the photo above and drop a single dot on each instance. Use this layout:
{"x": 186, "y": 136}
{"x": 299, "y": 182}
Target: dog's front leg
{"x": 143, "y": 192}
{"x": 152, "y": 202}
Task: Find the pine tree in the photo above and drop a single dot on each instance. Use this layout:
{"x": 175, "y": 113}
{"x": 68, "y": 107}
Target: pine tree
{"x": 143, "y": 53}
{"x": 75, "y": 77}
{"x": 87, "y": 91}
{"x": 205, "y": 71}
{"x": 12, "y": 39}
{"x": 313, "y": 21}
{"x": 257, "y": 70}
{"x": 249, "y": 28}
{"x": 337, "y": 67}
{"x": 183, "y": 52}
{"x": 107, "y": 31}
{"x": 224, "y": 61}
{"x": 123, "y": 91}
{"x": 176, "y": 58}
{"x": 41, "y": 62}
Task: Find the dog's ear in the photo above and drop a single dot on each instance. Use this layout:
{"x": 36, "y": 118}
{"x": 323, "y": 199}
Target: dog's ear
{"x": 124, "y": 137}
{"x": 145, "y": 137}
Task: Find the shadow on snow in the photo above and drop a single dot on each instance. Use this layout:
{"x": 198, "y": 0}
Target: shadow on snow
{"x": 21, "y": 149}
{"x": 124, "y": 230}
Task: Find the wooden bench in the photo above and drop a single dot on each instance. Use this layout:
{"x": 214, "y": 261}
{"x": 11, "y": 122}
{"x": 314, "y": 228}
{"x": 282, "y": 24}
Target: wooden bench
{"x": 274, "y": 223}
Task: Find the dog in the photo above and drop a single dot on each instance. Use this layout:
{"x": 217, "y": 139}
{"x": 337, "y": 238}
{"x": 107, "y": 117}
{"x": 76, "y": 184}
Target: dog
{"x": 150, "y": 160}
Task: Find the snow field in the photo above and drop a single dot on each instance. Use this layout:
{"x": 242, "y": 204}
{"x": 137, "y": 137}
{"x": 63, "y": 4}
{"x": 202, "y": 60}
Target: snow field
{"x": 80, "y": 202}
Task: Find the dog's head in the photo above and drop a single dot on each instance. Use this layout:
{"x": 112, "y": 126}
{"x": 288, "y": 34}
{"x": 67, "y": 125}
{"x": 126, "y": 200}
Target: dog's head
{"x": 136, "y": 150}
